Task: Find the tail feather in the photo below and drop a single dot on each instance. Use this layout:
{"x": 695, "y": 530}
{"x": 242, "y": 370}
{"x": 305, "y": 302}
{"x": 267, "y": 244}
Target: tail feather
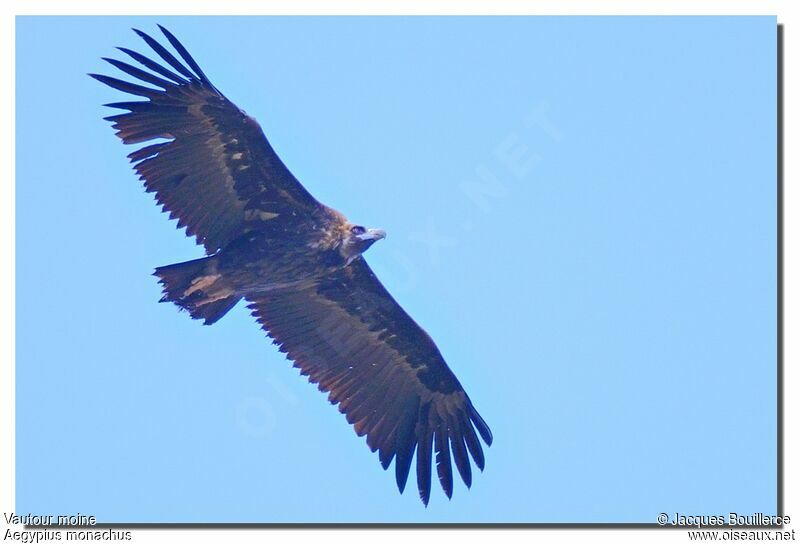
{"x": 176, "y": 278}
{"x": 185, "y": 284}
{"x": 213, "y": 311}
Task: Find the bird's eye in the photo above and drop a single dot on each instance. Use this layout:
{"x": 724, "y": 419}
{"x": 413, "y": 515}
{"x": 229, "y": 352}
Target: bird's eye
{"x": 357, "y": 230}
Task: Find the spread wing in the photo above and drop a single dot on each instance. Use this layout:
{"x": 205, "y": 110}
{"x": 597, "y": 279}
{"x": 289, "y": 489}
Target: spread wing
{"x": 354, "y": 341}
{"x": 216, "y": 172}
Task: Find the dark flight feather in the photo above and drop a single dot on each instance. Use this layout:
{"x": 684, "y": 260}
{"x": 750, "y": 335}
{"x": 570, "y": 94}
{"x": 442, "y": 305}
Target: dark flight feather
{"x": 152, "y": 65}
{"x": 166, "y": 55}
{"x": 185, "y": 55}
{"x": 127, "y": 87}
{"x": 138, "y": 73}
{"x": 424, "y": 440}
{"x": 443, "y": 468}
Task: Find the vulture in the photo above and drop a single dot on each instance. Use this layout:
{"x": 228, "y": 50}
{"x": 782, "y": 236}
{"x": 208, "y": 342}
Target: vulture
{"x": 298, "y": 264}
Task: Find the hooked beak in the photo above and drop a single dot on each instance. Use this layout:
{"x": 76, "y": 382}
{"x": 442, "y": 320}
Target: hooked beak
{"x": 372, "y": 235}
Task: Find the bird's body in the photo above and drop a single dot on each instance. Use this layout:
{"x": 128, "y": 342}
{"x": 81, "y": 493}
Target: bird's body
{"x": 259, "y": 262}
{"x": 298, "y": 264}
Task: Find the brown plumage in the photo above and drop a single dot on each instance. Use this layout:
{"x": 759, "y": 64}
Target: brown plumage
{"x": 299, "y": 265}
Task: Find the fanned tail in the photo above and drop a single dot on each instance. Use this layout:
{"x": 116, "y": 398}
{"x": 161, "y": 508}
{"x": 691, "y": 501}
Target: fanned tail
{"x": 191, "y": 286}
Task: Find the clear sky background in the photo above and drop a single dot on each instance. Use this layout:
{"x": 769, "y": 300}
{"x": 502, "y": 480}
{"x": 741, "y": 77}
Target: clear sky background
{"x": 581, "y": 212}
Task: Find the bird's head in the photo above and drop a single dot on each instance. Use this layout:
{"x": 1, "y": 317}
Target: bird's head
{"x": 357, "y": 239}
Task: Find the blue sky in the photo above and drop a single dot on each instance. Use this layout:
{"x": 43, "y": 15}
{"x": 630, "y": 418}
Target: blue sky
{"x": 581, "y": 212}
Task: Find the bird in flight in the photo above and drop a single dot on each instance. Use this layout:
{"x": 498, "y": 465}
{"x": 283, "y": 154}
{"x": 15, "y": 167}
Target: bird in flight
{"x": 299, "y": 264}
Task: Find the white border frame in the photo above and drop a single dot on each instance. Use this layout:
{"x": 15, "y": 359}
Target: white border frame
{"x": 788, "y": 16}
